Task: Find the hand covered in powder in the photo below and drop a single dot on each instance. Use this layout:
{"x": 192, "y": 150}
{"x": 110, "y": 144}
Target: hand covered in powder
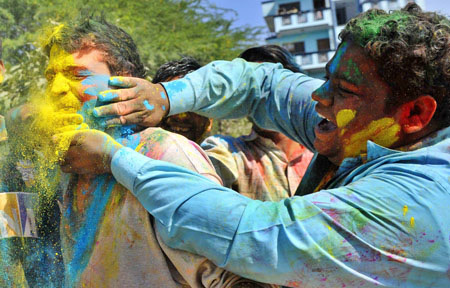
{"x": 89, "y": 152}
{"x": 141, "y": 102}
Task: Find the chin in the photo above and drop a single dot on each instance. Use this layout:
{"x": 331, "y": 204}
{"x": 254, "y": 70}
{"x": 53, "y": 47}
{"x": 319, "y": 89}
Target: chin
{"x": 325, "y": 149}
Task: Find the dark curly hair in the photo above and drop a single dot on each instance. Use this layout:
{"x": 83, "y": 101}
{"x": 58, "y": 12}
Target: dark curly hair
{"x": 175, "y": 68}
{"x": 412, "y": 49}
{"x": 273, "y": 54}
{"x": 121, "y": 54}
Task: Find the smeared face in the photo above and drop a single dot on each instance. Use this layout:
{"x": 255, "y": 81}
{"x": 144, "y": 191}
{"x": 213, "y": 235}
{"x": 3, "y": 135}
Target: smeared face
{"x": 190, "y": 125}
{"x": 352, "y": 101}
{"x": 75, "y": 79}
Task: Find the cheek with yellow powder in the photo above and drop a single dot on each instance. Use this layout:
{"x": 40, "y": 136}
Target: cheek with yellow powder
{"x": 344, "y": 116}
{"x": 383, "y": 132}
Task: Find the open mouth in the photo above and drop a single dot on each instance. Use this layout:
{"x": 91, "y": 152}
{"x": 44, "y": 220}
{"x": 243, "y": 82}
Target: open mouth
{"x": 325, "y": 126}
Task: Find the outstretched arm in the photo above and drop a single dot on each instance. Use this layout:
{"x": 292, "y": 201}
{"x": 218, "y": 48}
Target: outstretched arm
{"x": 350, "y": 234}
{"x": 274, "y": 97}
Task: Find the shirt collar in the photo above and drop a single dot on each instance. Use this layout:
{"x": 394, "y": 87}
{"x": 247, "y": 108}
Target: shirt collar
{"x": 375, "y": 151}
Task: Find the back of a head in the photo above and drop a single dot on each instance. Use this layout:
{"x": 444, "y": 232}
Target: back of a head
{"x": 273, "y": 54}
{"x": 412, "y": 52}
{"x": 177, "y": 68}
{"x": 90, "y": 32}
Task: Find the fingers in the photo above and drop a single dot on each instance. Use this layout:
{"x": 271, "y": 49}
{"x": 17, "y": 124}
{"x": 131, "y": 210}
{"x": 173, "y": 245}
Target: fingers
{"x": 64, "y": 140}
{"x": 138, "y": 118}
{"x": 69, "y": 128}
{"x": 124, "y": 82}
{"x": 63, "y": 119}
{"x": 71, "y": 163}
{"x": 118, "y": 95}
{"x": 120, "y": 108}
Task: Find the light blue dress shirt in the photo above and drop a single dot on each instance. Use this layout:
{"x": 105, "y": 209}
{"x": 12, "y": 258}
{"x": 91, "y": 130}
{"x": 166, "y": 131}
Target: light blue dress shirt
{"x": 381, "y": 221}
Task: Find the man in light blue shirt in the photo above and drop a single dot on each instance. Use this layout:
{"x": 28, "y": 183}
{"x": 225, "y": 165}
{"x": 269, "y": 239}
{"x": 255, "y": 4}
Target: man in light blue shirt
{"x": 380, "y": 124}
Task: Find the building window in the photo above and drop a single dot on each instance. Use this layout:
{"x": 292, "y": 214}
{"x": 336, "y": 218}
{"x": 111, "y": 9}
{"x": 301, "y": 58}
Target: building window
{"x": 323, "y": 57}
{"x": 295, "y": 48}
{"x": 289, "y": 8}
{"x": 307, "y": 59}
{"x": 341, "y": 15}
{"x": 318, "y": 15}
{"x": 301, "y": 18}
{"x": 286, "y": 20}
{"x": 319, "y": 4}
{"x": 323, "y": 44}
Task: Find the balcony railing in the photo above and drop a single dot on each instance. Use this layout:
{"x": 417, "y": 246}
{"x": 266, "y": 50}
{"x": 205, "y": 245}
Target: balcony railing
{"x": 303, "y": 19}
{"x": 313, "y": 60}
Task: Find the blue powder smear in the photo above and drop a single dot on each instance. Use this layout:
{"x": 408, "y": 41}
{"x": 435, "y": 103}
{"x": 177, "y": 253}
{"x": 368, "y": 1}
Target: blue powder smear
{"x": 148, "y": 105}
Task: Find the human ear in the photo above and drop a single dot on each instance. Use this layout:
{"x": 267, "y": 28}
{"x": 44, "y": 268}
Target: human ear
{"x": 209, "y": 127}
{"x": 415, "y": 115}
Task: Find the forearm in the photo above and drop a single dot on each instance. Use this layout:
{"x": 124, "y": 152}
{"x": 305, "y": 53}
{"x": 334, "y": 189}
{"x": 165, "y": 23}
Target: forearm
{"x": 176, "y": 207}
{"x": 274, "y": 97}
{"x": 263, "y": 241}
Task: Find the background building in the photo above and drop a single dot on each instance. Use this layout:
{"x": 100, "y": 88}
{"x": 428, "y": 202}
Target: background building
{"x": 309, "y": 29}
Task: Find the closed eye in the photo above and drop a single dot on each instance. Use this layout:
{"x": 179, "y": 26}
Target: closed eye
{"x": 347, "y": 91}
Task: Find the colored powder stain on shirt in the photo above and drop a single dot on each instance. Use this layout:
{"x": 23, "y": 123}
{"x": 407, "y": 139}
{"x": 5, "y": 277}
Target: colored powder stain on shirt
{"x": 344, "y": 116}
{"x": 148, "y": 105}
{"x": 175, "y": 87}
{"x": 405, "y": 210}
{"x": 412, "y": 222}
{"x": 85, "y": 236}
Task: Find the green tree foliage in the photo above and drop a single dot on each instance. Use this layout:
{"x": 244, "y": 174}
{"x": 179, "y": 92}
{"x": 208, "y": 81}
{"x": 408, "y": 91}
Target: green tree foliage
{"x": 163, "y": 30}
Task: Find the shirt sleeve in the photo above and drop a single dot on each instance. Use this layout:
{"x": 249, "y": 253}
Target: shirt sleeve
{"x": 351, "y": 234}
{"x": 275, "y": 98}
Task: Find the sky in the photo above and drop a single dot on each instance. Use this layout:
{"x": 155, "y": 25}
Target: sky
{"x": 250, "y": 11}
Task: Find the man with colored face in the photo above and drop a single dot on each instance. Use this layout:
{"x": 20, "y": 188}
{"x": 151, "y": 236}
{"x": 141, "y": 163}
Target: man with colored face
{"x": 190, "y": 125}
{"x": 107, "y": 236}
{"x": 380, "y": 124}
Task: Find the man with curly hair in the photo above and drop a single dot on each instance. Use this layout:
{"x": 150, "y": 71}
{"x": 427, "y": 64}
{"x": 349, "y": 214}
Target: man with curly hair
{"x": 373, "y": 207}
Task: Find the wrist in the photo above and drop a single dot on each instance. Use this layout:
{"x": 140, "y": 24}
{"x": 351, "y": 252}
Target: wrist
{"x": 111, "y": 150}
{"x": 165, "y": 99}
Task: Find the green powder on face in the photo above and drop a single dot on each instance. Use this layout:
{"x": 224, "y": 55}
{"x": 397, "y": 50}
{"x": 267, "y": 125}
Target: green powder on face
{"x": 353, "y": 72}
